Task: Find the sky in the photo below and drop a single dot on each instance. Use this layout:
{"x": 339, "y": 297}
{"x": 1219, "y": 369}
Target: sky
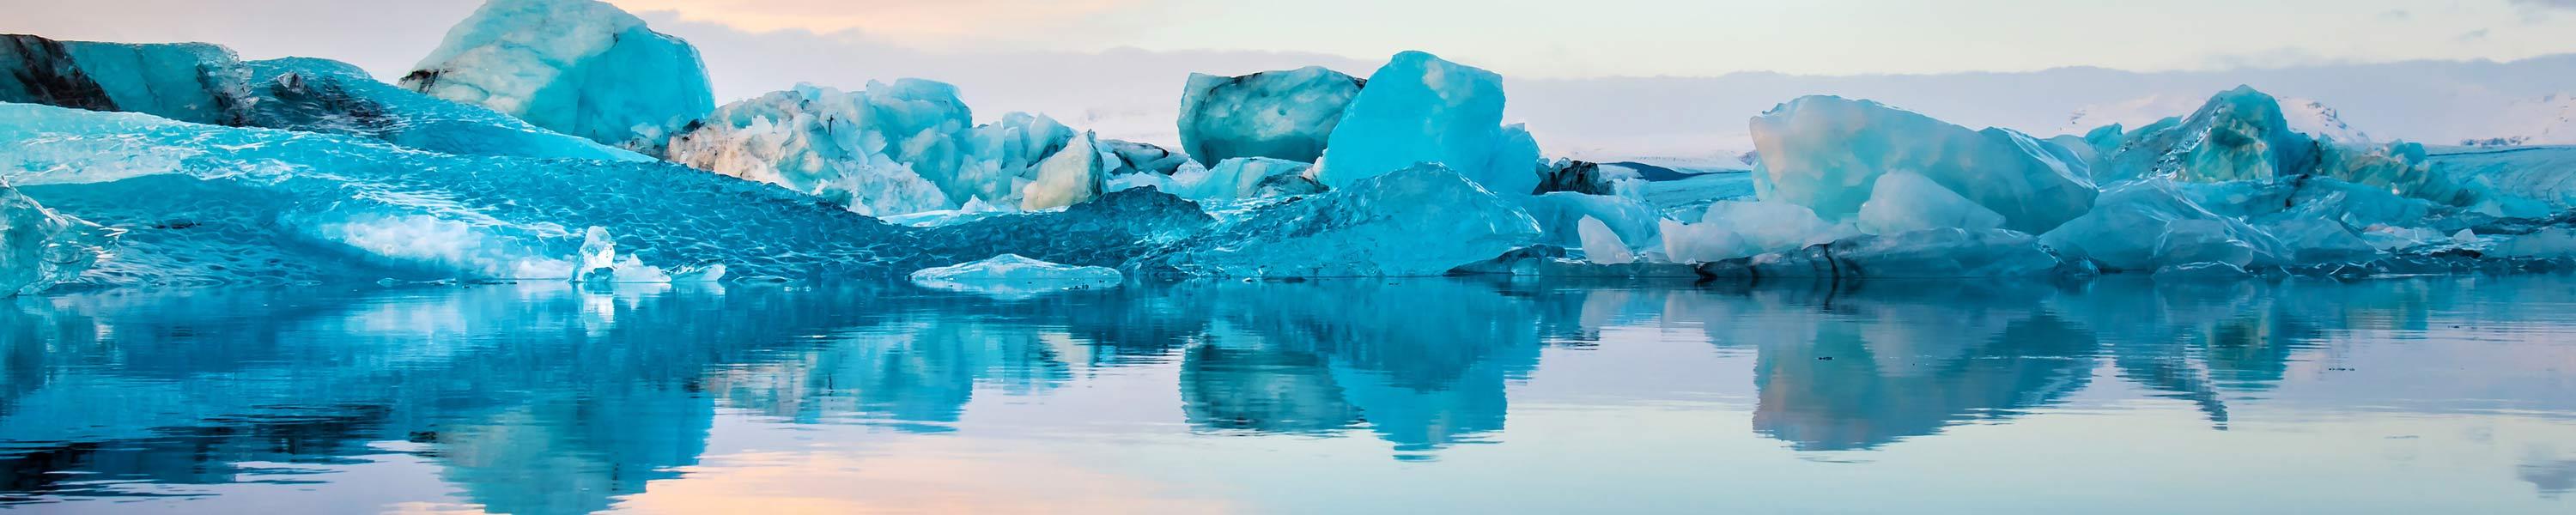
{"x": 1119, "y": 64}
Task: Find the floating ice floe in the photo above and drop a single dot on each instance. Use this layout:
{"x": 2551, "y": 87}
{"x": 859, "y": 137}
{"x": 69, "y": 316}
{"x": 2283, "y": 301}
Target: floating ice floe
{"x": 1013, "y": 276}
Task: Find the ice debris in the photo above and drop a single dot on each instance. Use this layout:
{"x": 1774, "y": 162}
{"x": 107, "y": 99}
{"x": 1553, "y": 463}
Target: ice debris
{"x": 579, "y": 67}
{"x": 1287, "y": 115}
{"x": 1013, "y": 276}
{"x": 1826, "y": 153}
{"x": 1601, "y": 245}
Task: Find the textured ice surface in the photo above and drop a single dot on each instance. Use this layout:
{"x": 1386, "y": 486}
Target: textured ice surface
{"x": 1286, "y": 114}
{"x": 1422, "y": 220}
{"x": 318, "y": 95}
{"x": 2146, "y": 225}
{"x": 1929, "y": 253}
{"x": 1826, "y": 153}
{"x": 193, "y": 82}
{"x": 1074, "y": 174}
{"x": 2238, "y": 135}
{"x": 1904, "y": 201}
{"x": 40, "y": 248}
{"x": 578, "y": 67}
{"x": 2526, "y": 182}
{"x": 1421, "y": 109}
{"x": 212, "y": 205}
{"x": 1128, "y": 157}
{"x": 1562, "y": 213}
{"x": 1242, "y": 177}
{"x": 1012, "y": 276}
{"x": 1601, "y": 245}
{"x": 896, "y": 148}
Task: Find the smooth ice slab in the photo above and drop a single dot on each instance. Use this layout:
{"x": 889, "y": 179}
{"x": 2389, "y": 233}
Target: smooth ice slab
{"x": 1827, "y": 153}
{"x": 1013, "y": 276}
{"x": 1286, "y": 115}
{"x": 1421, "y": 109}
{"x": 578, "y": 67}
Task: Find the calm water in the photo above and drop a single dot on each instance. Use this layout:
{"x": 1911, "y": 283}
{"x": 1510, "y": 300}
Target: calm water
{"x": 2449, "y": 395}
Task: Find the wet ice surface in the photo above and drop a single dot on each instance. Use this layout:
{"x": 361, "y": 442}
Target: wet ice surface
{"x": 1454, "y": 395}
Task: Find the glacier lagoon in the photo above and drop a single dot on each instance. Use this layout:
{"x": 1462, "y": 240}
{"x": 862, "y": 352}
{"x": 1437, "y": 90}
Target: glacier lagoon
{"x": 1348, "y": 396}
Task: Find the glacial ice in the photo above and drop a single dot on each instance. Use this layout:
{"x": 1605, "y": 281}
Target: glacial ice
{"x": 1904, "y": 201}
{"x": 1826, "y": 153}
{"x": 2147, "y": 225}
{"x": 1561, "y": 214}
{"x": 1013, "y": 277}
{"x": 319, "y": 95}
{"x": 579, "y": 67}
{"x": 193, "y": 82}
{"x": 204, "y": 204}
{"x": 1421, "y": 109}
{"x": 1068, "y": 177}
{"x": 40, "y": 248}
{"x": 2239, "y": 135}
{"x": 1287, "y": 115}
{"x": 1130, "y": 157}
{"x": 1418, "y": 221}
{"x": 1601, "y": 245}
{"x": 1238, "y": 178}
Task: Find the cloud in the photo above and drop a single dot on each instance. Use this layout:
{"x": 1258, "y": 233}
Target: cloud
{"x": 2474, "y": 35}
{"x": 2551, "y": 4}
{"x": 935, "y": 23}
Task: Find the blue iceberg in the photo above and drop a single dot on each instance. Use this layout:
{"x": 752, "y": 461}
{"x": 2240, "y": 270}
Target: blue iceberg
{"x": 40, "y": 248}
{"x": 1421, "y": 109}
{"x": 579, "y": 67}
{"x": 325, "y": 96}
{"x": 1287, "y": 115}
{"x": 192, "y": 82}
{"x": 1418, "y": 221}
{"x": 1826, "y": 153}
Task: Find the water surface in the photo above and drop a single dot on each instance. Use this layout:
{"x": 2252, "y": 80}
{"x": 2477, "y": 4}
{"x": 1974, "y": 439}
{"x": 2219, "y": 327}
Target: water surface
{"x": 1428, "y": 395}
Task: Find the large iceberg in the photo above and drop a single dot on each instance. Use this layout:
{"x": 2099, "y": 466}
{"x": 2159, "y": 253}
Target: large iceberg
{"x": 1418, "y": 221}
{"x": 903, "y": 147}
{"x": 1070, "y": 176}
{"x": 192, "y": 82}
{"x": 1421, "y": 109}
{"x": 40, "y": 248}
{"x": 578, "y": 67}
{"x": 319, "y": 95}
{"x": 1826, "y": 153}
{"x": 2147, "y": 225}
{"x": 204, "y": 204}
{"x": 1279, "y": 115}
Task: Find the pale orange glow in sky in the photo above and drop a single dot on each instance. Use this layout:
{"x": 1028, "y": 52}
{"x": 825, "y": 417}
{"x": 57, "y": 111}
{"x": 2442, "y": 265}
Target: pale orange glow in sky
{"x": 914, "y": 476}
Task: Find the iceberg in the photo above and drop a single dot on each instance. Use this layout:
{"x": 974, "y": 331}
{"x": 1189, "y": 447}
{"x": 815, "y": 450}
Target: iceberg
{"x": 1826, "y": 153}
{"x": 2148, "y": 225}
{"x": 1013, "y": 277}
{"x": 1421, "y": 109}
{"x": 1287, "y": 115}
{"x": 204, "y": 204}
{"x": 325, "y": 96}
{"x": 1069, "y": 177}
{"x": 897, "y": 148}
{"x": 1561, "y": 215}
{"x": 578, "y": 67}
{"x": 1419, "y": 221}
{"x": 193, "y": 82}
{"x": 1128, "y": 157}
{"x": 40, "y": 248}
{"x": 1737, "y": 229}
{"x": 2240, "y": 134}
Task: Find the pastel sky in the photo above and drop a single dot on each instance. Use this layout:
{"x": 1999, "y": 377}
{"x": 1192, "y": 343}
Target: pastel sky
{"x": 1524, "y": 38}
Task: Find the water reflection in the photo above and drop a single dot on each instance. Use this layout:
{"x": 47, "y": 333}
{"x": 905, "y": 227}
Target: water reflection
{"x": 541, "y": 398}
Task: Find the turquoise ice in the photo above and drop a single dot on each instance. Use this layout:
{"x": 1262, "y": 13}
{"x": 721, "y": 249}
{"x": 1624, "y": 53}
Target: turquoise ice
{"x": 1826, "y": 153}
{"x": 193, "y": 82}
{"x": 578, "y": 67}
{"x": 1421, "y": 109}
{"x": 1287, "y": 115}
